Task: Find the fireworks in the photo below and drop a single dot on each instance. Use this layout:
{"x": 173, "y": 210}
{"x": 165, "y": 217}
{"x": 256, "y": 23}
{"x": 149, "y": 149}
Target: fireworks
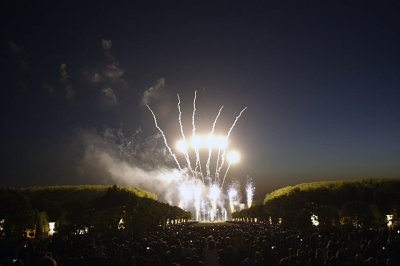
{"x": 249, "y": 192}
{"x": 202, "y": 189}
{"x": 232, "y": 196}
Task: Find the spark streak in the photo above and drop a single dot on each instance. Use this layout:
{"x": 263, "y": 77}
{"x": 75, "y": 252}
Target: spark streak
{"x": 226, "y": 173}
{"x": 232, "y": 194}
{"x": 249, "y": 192}
{"x": 185, "y": 153}
{"x": 198, "y": 163}
{"x": 227, "y": 137}
{"x": 165, "y": 139}
{"x": 210, "y": 148}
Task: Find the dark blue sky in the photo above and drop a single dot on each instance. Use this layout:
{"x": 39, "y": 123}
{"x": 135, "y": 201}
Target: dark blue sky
{"x": 320, "y": 79}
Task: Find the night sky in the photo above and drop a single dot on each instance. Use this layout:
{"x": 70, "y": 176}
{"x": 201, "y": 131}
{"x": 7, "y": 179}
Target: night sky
{"x": 321, "y": 80}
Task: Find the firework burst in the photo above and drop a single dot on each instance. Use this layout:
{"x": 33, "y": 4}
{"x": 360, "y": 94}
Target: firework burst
{"x": 203, "y": 192}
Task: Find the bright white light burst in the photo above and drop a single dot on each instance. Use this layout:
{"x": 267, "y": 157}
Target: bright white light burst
{"x": 181, "y": 146}
{"x": 233, "y": 157}
{"x": 200, "y": 184}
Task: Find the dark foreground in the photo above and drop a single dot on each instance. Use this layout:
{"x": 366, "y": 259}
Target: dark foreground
{"x": 220, "y": 244}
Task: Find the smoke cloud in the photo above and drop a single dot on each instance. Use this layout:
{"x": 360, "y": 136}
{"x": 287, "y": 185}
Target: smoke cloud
{"x": 153, "y": 92}
{"x": 136, "y": 161}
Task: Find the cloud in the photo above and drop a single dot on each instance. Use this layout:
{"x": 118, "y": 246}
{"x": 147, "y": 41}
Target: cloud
{"x": 49, "y": 88}
{"x": 153, "y": 92}
{"x": 113, "y": 71}
{"x": 15, "y": 49}
{"x": 108, "y": 78}
{"x": 107, "y": 47}
{"x": 107, "y": 44}
{"x": 134, "y": 161}
{"x": 18, "y": 53}
{"x": 96, "y": 78}
{"x": 64, "y": 76}
{"x": 110, "y": 95}
{"x": 69, "y": 92}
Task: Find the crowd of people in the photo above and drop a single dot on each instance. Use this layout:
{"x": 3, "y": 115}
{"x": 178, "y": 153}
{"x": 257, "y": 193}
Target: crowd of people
{"x": 211, "y": 244}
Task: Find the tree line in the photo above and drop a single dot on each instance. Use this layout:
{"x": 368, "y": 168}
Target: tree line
{"x": 77, "y": 209}
{"x": 333, "y": 203}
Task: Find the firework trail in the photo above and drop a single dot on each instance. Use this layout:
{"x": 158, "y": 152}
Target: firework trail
{"x": 198, "y": 163}
{"x": 210, "y": 149}
{"x": 185, "y": 152}
{"x": 214, "y": 195}
{"x": 227, "y": 137}
{"x": 165, "y": 139}
{"x": 249, "y": 192}
{"x": 226, "y": 173}
{"x": 217, "y": 165}
{"x": 232, "y": 194}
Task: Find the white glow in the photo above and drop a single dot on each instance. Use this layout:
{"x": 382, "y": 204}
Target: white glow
{"x": 216, "y": 142}
{"x": 197, "y": 142}
{"x": 389, "y": 219}
{"x": 197, "y": 201}
{"x": 214, "y": 192}
{"x": 52, "y": 226}
{"x": 186, "y": 192}
{"x": 121, "y": 224}
{"x": 233, "y": 157}
{"x": 83, "y": 231}
{"x": 171, "y": 176}
{"x": 214, "y": 195}
{"x": 249, "y": 194}
{"x": 181, "y": 146}
{"x": 232, "y": 194}
{"x": 2, "y": 221}
{"x": 314, "y": 220}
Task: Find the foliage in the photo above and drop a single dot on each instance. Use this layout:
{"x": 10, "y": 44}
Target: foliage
{"x": 362, "y": 202}
{"x": 74, "y": 208}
